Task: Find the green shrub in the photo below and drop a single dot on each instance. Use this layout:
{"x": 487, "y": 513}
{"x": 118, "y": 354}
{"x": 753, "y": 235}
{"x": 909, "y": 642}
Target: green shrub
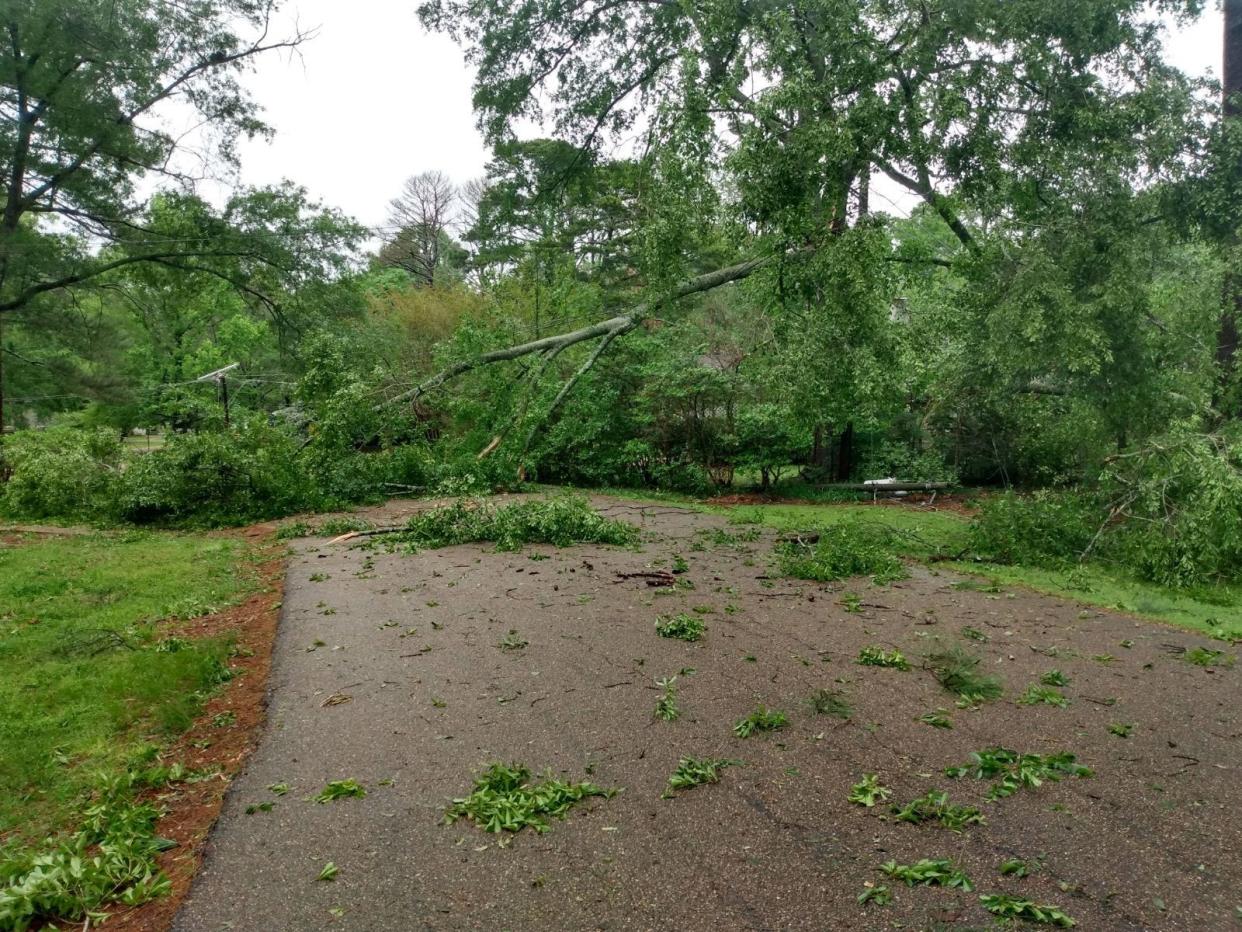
{"x": 60, "y": 473}
{"x": 852, "y": 548}
{"x": 1045, "y": 529}
{"x": 231, "y": 477}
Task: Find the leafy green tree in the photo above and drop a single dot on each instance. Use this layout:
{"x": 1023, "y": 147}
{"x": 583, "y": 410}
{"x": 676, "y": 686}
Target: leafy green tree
{"x": 86, "y": 89}
{"x": 1005, "y": 120}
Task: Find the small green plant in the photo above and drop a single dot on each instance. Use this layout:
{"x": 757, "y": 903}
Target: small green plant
{"x": 851, "y": 602}
{"x": 929, "y": 872}
{"x": 879, "y": 657}
{"x": 830, "y": 702}
{"x": 935, "y": 807}
{"x": 341, "y": 789}
{"x": 1054, "y": 678}
{"x": 329, "y": 872}
{"x": 505, "y": 799}
{"x": 957, "y": 670}
{"x": 1012, "y": 907}
{"x": 280, "y": 789}
{"x": 666, "y": 708}
{"x": 878, "y": 894}
{"x": 692, "y": 772}
{"x": 974, "y": 634}
{"x": 1013, "y": 771}
{"x": 1121, "y": 730}
{"x": 762, "y": 719}
{"x": 224, "y": 719}
{"x": 1035, "y": 695}
{"x": 512, "y": 641}
{"x": 681, "y": 626}
{"x": 679, "y": 564}
{"x": 937, "y": 719}
{"x": 868, "y": 791}
{"x": 703, "y": 609}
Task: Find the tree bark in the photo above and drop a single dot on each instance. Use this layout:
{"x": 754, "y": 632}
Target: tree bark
{"x": 845, "y": 453}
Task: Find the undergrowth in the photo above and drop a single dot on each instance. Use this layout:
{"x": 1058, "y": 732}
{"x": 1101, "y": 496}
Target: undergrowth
{"x": 868, "y": 791}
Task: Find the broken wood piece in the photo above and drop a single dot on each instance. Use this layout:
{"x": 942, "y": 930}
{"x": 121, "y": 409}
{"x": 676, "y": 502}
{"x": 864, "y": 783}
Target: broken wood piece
{"x": 651, "y": 577}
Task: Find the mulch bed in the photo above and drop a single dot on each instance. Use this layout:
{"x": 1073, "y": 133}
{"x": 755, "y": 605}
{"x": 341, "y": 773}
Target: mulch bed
{"x": 192, "y": 808}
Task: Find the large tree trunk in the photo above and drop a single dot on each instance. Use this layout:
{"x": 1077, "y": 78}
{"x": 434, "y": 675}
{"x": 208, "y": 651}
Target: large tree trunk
{"x": 845, "y": 453}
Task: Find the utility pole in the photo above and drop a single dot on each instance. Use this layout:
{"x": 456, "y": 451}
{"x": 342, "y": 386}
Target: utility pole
{"x": 220, "y": 377}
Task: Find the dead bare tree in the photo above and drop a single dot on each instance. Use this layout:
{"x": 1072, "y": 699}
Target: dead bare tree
{"x": 419, "y": 220}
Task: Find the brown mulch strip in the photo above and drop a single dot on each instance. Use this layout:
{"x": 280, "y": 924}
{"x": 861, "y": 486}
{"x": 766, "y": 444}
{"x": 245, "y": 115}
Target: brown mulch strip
{"x": 191, "y": 809}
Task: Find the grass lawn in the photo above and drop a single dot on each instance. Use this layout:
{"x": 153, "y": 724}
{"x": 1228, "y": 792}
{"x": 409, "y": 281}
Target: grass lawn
{"x": 929, "y": 532}
{"x": 84, "y": 681}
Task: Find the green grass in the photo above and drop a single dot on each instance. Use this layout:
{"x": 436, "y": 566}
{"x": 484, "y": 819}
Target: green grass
{"x": 1101, "y": 586}
{"x": 928, "y": 533}
{"x": 920, "y": 534}
{"x": 83, "y": 686}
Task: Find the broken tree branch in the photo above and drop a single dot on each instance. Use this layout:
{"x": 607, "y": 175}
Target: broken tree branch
{"x": 611, "y": 328}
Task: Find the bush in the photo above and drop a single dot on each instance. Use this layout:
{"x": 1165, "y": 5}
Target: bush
{"x": 248, "y": 474}
{"x": 1045, "y": 529}
{"x": 902, "y": 461}
{"x": 60, "y": 473}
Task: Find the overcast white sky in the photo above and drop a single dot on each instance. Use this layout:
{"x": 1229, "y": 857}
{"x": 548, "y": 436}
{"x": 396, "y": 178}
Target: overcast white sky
{"x": 373, "y": 99}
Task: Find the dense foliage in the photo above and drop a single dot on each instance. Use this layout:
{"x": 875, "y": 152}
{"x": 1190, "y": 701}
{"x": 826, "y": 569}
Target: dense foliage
{"x": 968, "y": 243}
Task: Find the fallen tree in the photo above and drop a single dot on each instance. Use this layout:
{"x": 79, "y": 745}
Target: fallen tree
{"x": 547, "y": 348}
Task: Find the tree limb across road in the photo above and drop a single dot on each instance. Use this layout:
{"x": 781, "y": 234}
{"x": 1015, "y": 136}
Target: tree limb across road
{"x": 608, "y": 329}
